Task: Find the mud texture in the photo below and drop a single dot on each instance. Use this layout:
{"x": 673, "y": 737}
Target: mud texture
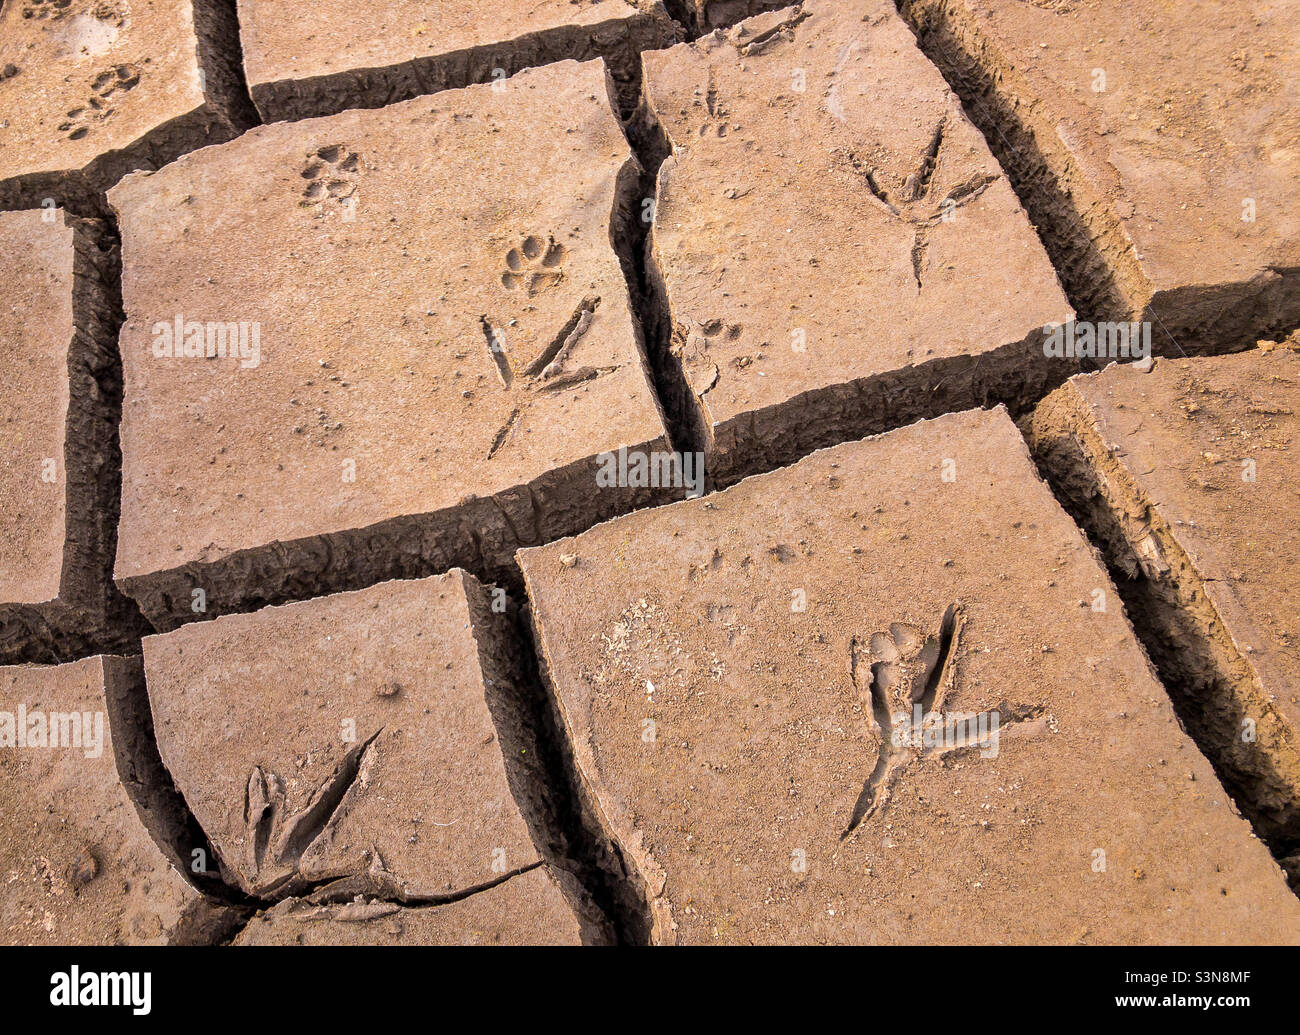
{"x": 1182, "y": 474}
{"x": 1157, "y": 202}
{"x": 749, "y": 812}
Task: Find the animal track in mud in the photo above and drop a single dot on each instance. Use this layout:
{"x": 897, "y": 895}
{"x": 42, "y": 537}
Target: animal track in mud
{"x": 276, "y": 840}
{"x": 907, "y": 668}
{"x": 910, "y": 672}
{"x": 714, "y": 328}
{"x": 109, "y": 83}
{"x": 716, "y": 124}
{"x": 535, "y": 265}
{"x": 691, "y": 342}
{"x": 42, "y": 10}
{"x": 333, "y": 173}
{"x": 911, "y": 203}
{"x": 546, "y": 372}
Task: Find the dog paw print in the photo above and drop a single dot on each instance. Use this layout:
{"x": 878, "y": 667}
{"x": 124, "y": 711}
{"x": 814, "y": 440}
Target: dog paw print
{"x": 534, "y": 265}
{"x": 118, "y": 79}
{"x": 332, "y": 173}
{"x": 104, "y": 86}
{"x": 43, "y": 10}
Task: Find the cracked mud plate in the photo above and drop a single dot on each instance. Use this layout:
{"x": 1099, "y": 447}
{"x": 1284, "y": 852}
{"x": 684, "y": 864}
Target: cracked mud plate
{"x": 888, "y": 695}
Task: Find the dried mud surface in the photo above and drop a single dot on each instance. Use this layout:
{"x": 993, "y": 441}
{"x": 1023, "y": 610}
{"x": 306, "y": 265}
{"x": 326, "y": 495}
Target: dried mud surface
{"x": 601, "y": 472}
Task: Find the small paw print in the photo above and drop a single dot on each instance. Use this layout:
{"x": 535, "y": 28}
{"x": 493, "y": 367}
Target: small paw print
{"x": 42, "y": 10}
{"x": 116, "y": 80}
{"x": 332, "y": 173}
{"x": 535, "y": 265}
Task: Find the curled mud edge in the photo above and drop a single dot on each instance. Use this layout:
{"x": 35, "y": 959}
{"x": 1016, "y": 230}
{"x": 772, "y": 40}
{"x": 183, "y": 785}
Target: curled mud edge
{"x": 1212, "y": 686}
{"x": 1094, "y": 257}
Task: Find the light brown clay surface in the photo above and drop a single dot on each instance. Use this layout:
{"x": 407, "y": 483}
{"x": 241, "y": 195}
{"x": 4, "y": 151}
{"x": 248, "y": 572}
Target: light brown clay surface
{"x": 90, "y": 89}
{"x": 1188, "y": 474}
{"x": 824, "y": 230}
{"x": 57, "y": 437}
{"x": 1145, "y": 132}
{"x": 77, "y": 863}
{"x": 527, "y": 909}
{"x": 37, "y": 328}
{"x": 721, "y": 665}
{"x": 320, "y": 58}
{"x": 377, "y": 305}
{"x": 358, "y": 359}
{"x": 350, "y": 741}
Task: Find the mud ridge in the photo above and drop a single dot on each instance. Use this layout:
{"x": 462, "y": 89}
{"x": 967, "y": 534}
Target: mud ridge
{"x": 1209, "y": 683}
